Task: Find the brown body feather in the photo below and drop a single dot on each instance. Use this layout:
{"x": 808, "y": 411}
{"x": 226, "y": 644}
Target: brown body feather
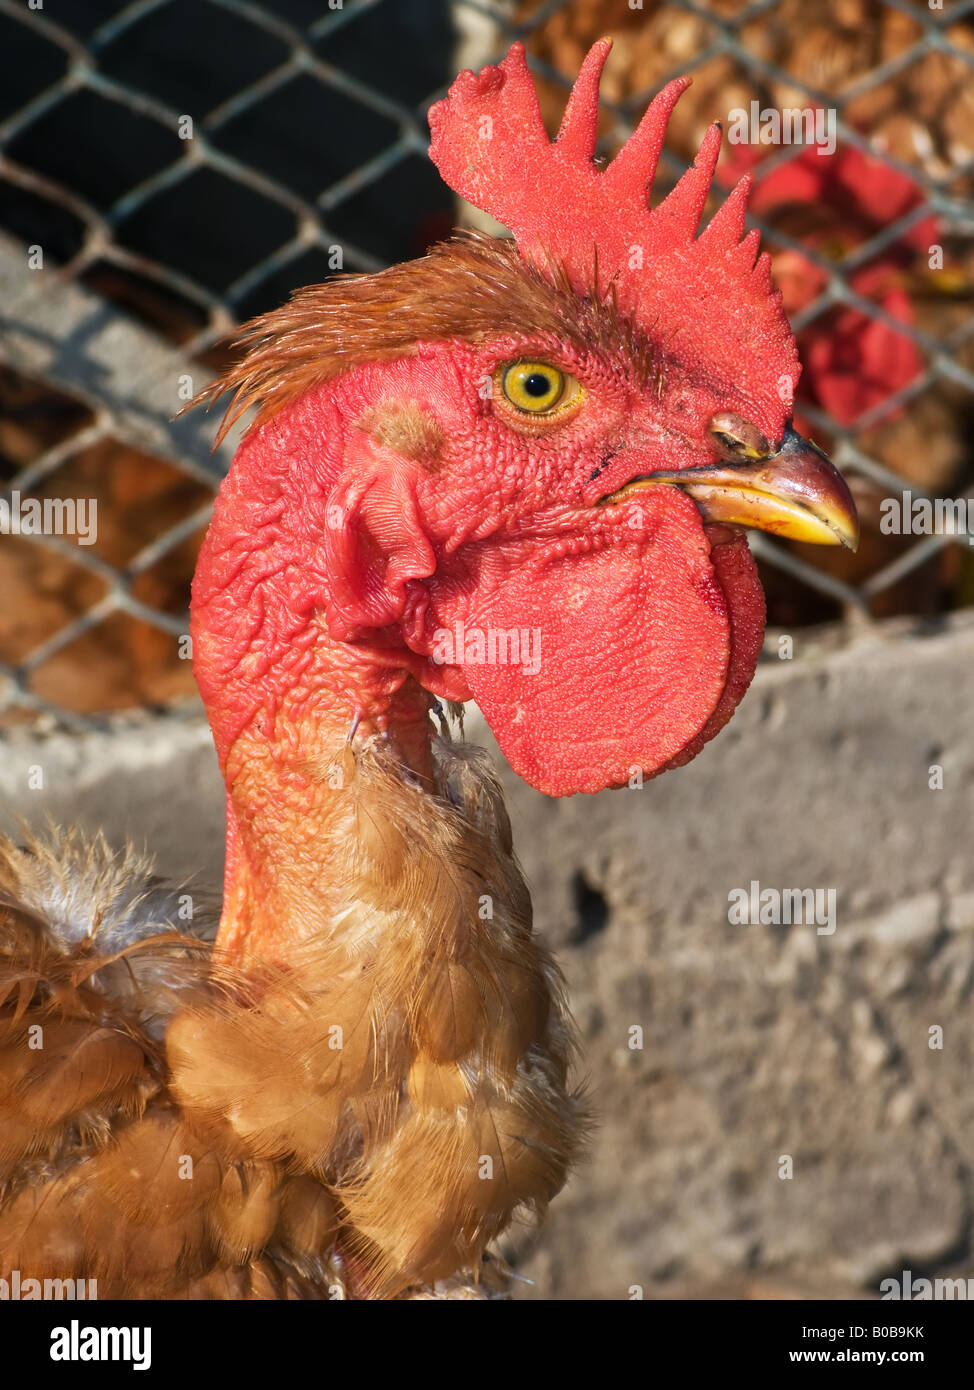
{"x": 361, "y": 1122}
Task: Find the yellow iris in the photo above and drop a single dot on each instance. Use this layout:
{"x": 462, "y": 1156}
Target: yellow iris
{"x": 537, "y": 387}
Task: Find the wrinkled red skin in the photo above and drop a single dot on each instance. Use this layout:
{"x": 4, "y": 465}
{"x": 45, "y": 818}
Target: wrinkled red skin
{"x": 320, "y": 533}
{"x": 331, "y": 563}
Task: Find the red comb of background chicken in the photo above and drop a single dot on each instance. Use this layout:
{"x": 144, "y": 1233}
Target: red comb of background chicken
{"x": 836, "y": 203}
{"x": 705, "y": 296}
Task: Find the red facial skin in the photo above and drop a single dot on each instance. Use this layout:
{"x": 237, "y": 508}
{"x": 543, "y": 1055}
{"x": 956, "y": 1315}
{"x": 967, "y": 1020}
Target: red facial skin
{"x": 331, "y": 564}
{"x": 319, "y": 531}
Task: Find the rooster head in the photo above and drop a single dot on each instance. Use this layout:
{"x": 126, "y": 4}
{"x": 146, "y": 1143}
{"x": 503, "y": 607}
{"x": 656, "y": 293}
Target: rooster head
{"x": 517, "y": 471}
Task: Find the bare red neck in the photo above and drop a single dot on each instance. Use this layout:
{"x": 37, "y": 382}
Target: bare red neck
{"x": 286, "y": 702}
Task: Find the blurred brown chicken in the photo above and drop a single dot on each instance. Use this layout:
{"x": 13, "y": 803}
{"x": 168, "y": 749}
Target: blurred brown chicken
{"x": 923, "y": 113}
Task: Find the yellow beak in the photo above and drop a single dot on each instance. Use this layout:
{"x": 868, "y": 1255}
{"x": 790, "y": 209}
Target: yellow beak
{"x": 797, "y": 493}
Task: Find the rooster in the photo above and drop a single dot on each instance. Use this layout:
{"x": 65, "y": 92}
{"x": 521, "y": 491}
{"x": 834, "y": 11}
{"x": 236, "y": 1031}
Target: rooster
{"x": 511, "y": 471}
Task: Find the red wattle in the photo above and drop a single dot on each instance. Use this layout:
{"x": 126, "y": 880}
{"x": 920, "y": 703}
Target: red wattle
{"x": 737, "y": 576}
{"x": 630, "y": 638}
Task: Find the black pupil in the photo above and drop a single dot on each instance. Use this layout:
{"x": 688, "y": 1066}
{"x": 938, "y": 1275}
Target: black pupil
{"x": 537, "y": 384}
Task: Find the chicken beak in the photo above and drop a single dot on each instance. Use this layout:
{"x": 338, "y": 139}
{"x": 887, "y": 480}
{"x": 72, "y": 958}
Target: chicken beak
{"x": 796, "y": 492}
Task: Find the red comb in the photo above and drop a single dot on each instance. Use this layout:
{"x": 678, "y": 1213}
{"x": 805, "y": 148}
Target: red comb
{"x": 703, "y": 296}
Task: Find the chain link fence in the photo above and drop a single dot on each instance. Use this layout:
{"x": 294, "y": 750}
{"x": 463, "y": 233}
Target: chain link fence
{"x": 170, "y": 167}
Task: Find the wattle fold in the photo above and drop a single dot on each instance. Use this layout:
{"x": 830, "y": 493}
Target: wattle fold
{"x": 628, "y": 655}
{"x": 737, "y": 576}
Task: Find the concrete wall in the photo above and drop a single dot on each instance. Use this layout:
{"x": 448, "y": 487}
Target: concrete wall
{"x": 758, "y": 1041}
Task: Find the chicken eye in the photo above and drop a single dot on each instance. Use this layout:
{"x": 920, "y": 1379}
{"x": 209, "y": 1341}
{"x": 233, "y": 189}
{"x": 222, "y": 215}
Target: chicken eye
{"x": 736, "y": 437}
{"x": 536, "y": 387}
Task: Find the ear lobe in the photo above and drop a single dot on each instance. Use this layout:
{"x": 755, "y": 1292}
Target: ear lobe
{"x": 374, "y": 545}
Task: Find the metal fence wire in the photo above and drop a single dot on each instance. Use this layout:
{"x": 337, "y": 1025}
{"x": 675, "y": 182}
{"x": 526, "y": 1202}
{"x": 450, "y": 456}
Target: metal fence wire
{"x": 170, "y": 167}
